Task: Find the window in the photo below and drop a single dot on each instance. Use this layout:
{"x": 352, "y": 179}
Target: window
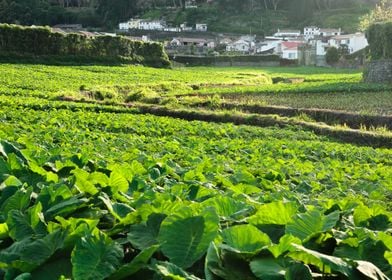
{"x": 291, "y": 55}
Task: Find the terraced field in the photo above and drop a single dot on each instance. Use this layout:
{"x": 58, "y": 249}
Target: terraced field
{"x": 93, "y": 188}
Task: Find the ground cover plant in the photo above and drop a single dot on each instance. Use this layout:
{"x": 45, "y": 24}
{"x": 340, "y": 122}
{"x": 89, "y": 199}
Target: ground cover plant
{"x": 77, "y": 184}
{"x": 95, "y": 191}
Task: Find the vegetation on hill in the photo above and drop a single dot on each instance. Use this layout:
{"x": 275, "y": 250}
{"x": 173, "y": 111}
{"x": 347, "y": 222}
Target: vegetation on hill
{"x": 22, "y": 41}
{"x": 258, "y": 17}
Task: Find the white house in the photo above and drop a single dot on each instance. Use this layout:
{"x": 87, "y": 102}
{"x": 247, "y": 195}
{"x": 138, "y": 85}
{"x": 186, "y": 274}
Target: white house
{"x": 321, "y": 47}
{"x": 240, "y": 46}
{"x": 327, "y": 32}
{"x": 201, "y": 27}
{"x": 290, "y": 50}
{"x": 130, "y": 24}
{"x": 354, "y": 42}
{"x": 269, "y": 46}
{"x": 311, "y": 32}
{"x": 198, "y": 42}
{"x": 152, "y": 25}
{"x": 287, "y": 33}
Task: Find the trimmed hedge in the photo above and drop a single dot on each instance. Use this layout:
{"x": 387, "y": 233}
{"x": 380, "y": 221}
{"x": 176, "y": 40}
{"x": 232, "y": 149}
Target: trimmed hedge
{"x": 380, "y": 40}
{"x": 211, "y": 60}
{"x": 41, "y": 41}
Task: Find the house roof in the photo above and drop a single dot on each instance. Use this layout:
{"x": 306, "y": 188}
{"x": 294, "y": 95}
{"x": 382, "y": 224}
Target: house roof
{"x": 347, "y": 36}
{"x": 288, "y": 31}
{"x": 191, "y": 40}
{"x": 329, "y": 30}
{"x": 291, "y": 45}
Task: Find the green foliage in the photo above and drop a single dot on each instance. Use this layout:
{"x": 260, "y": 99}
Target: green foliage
{"x": 380, "y": 42}
{"x": 40, "y": 41}
{"x": 332, "y": 56}
{"x": 91, "y": 191}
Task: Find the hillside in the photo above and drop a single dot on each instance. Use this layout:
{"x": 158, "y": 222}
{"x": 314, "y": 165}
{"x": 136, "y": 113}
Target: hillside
{"x": 246, "y": 16}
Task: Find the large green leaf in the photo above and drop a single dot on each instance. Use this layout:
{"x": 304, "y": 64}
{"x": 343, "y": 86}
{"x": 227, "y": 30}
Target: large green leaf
{"x": 29, "y": 254}
{"x": 349, "y": 268}
{"x": 227, "y": 207}
{"x": 137, "y": 263}
{"x": 184, "y": 238}
{"x": 118, "y": 182}
{"x": 143, "y": 236}
{"x": 172, "y": 272}
{"x": 95, "y": 257}
{"x": 53, "y": 270}
{"x": 245, "y": 239}
{"x": 298, "y": 271}
{"x": 24, "y": 225}
{"x": 285, "y": 244}
{"x": 277, "y": 213}
{"x": 306, "y": 225}
{"x": 267, "y": 268}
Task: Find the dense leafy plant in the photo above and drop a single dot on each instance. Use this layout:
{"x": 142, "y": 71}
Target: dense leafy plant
{"x": 41, "y": 41}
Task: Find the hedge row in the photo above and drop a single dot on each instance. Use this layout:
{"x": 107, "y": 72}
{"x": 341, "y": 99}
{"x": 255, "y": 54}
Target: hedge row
{"x": 380, "y": 40}
{"x": 41, "y": 41}
{"x": 211, "y": 60}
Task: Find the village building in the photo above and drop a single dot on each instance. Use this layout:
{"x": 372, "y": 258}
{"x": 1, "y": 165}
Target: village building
{"x": 290, "y": 49}
{"x": 201, "y": 27}
{"x": 313, "y": 32}
{"x": 241, "y": 45}
{"x": 198, "y": 42}
{"x": 354, "y": 42}
{"x": 287, "y": 33}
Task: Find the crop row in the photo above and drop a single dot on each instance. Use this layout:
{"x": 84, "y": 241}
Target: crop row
{"x": 105, "y": 195}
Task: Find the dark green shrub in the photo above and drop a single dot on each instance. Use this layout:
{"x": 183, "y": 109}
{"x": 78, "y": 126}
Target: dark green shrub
{"x": 332, "y": 56}
{"x": 40, "y": 41}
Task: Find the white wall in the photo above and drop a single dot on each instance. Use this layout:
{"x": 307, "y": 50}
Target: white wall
{"x": 290, "y": 54}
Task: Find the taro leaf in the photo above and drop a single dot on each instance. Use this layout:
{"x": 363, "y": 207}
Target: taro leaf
{"x": 7, "y": 148}
{"x": 267, "y": 268}
{"x": 285, "y": 244}
{"x": 95, "y": 257}
{"x": 66, "y": 207}
{"x": 118, "y": 182}
{"x": 184, "y": 238}
{"x": 227, "y": 207}
{"x": 370, "y": 271}
{"x": 139, "y": 262}
{"x": 213, "y": 263}
{"x": 221, "y": 264}
{"x": 3, "y": 231}
{"x": 298, "y": 271}
{"x": 24, "y": 276}
{"x": 53, "y": 270}
{"x": 171, "y": 271}
{"x": 367, "y": 250}
{"x": 20, "y": 200}
{"x": 143, "y": 236}
{"x": 245, "y": 239}
{"x": 22, "y": 225}
{"x": 29, "y": 254}
{"x": 306, "y": 225}
{"x": 83, "y": 183}
{"x": 275, "y": 213}
{"x": 118, "y": 210}
{"x": 324, "y": 262}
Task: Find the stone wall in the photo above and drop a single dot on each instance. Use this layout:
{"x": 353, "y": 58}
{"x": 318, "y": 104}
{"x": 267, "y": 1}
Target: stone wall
{"x": 378, "y": 71}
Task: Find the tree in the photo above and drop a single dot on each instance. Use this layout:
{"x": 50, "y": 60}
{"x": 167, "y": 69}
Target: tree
{"x": 381, "y": 13}
{"x": 332, "y": 55}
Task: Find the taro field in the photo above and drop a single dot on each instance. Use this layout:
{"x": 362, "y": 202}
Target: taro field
{"x": 94, "y": 187}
